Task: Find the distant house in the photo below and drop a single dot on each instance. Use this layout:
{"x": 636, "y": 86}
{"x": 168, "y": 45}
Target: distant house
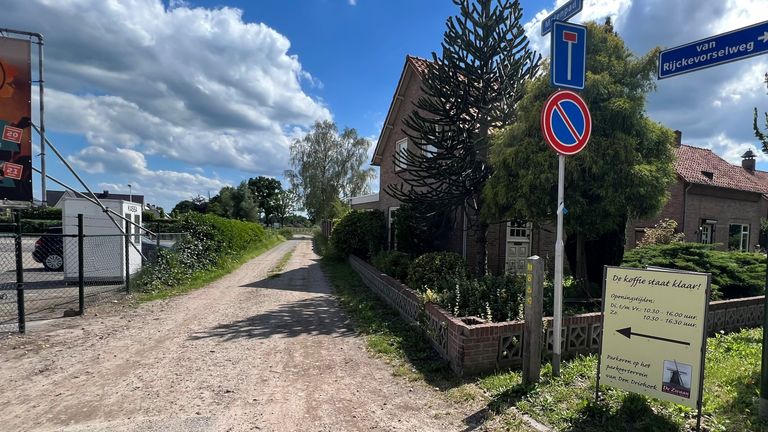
{"x": 713, "y": 201}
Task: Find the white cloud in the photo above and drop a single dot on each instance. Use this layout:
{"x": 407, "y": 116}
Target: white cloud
{"x": 190, "y": 84}
{"x": 353, "y": 2}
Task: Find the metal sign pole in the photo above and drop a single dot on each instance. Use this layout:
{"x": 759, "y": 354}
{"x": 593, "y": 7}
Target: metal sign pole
{"x": 558, "y": 318}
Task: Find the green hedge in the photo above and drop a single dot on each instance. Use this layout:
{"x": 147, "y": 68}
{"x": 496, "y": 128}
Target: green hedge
{"x": 360, "y": 233}
{"x": 431, "y": 269}
{"x": 734, "y": 274}
{"x": 29, "y": 226}
{"x": 393, "y": 263}
{"x": 493, "y": 298}
{"x": 211, "y": 243}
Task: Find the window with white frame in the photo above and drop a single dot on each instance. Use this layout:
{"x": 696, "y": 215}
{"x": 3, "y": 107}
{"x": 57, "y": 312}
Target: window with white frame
{"x": 738, "y": 237}
{"x": 401, "y": 147}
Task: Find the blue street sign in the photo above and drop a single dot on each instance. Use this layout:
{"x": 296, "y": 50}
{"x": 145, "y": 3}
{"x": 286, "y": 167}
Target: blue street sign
{"x": 561, "y": 14}
{"x": 724, "y": 48}
{"x": 568, "y": 64}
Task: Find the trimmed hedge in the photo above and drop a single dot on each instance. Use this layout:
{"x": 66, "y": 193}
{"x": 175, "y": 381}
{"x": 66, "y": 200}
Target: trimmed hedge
{"x": 393, "y": 263}
{"x": 29, "y": 226}
{"x": 494, "y": 298}
{"x": 360, "y": 233}
{"x": 211, "y": 243}
{"x": 734, "y": 274}
{"x": 430, "y": 270}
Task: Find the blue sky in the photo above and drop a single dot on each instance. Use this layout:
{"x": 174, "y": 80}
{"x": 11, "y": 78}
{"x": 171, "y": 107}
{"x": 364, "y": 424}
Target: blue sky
{"x": 183, "y": 98}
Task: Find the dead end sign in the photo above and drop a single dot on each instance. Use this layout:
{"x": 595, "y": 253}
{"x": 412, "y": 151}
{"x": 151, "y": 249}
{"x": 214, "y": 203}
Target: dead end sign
{"x": 566, "y": 122}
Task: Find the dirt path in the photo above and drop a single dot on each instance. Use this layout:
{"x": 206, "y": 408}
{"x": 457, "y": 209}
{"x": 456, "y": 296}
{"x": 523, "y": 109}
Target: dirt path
{"x": 245, "y": 353}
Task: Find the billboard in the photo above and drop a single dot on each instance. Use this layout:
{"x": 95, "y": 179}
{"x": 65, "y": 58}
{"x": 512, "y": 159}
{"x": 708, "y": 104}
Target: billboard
{"x": 15, "y": 120}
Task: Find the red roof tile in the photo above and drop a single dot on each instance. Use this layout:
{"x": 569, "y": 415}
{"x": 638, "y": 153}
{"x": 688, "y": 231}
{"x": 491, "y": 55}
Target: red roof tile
{"x": 419, "y": 64}
{"x": 691, "y": 163}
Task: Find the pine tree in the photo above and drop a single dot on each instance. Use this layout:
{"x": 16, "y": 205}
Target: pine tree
{"x": 469, "y": 90}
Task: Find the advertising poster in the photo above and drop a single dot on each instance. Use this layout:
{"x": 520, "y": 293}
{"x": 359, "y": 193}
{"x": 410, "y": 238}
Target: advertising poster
{"x": 653, "y": 333}
{"x": 15, "y": 120}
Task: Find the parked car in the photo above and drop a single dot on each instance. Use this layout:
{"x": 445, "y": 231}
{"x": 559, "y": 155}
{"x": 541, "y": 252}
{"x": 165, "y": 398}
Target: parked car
{"x": 49, "y": 250}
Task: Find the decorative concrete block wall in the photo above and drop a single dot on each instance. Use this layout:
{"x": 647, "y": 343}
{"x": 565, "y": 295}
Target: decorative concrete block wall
{"x": 472, "y": 346}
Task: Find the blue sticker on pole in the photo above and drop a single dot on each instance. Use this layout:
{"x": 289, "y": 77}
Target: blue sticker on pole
{"x": 724, "y": 48}
{"x": 568, "y": 63}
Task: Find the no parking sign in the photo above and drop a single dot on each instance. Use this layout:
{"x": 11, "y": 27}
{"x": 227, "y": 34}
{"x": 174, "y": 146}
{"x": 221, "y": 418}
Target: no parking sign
{"x": 566, "y": 122}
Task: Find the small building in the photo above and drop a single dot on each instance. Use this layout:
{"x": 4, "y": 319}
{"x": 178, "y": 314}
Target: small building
{"x": 712, "y": 200}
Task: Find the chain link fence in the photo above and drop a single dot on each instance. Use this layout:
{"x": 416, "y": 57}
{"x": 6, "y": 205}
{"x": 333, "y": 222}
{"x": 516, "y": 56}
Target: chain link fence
{"x": 63, "y": 271}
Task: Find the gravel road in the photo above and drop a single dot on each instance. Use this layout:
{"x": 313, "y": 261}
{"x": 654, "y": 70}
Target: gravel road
{"x": 245, "y": 353}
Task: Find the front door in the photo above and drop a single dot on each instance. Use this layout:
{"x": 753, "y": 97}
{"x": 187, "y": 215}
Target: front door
{"x": 518, "y": 246}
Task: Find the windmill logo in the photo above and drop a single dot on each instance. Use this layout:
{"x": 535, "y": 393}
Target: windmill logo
{"x": 676, "y": 378}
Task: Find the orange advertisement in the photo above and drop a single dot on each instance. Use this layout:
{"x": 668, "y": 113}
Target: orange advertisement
{"x": 15, "y": 120}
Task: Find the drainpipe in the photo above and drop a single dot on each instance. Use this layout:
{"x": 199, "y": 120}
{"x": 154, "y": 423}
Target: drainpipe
{"x": 685, "y": 203}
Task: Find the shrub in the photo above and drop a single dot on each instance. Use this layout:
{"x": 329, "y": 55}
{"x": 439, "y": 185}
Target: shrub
{"x": 360, "y": 233}
{"x": 286, "y": 233}
{"x": 734, "y": 274}
{"x": 211, "y": 242}
{"x": 430, "y": 270}
{"x": 494, "y": 298}
{"x": 393, "y": 263}
{"x": 320, "y": 242}
{"x": 664, "y": 232}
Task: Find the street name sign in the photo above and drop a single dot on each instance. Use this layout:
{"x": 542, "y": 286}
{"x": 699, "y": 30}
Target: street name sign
{"x": 654, "y": 329}
{"x": 716, "y": 50}
{"x": 568, "y": 65}
{"x": 566, "y": 122}
{"x": 563, "y": 13}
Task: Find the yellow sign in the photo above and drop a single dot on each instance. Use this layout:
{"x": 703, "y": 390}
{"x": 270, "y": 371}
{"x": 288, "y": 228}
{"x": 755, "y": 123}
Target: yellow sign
{"x": 653, "y": 332}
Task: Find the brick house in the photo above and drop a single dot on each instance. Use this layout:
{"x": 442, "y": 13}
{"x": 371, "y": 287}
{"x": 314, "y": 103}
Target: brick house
{"x": 712, "y": 201}
{"x": 508, "y": 244}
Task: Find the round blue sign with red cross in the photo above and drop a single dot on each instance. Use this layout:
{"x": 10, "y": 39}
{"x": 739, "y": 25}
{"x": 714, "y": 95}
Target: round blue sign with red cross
{"x": 566, "y": 123}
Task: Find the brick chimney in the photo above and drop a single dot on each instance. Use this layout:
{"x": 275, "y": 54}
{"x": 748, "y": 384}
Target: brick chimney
{"x": 678, "y": 138}
{"x": 748, "y": 161}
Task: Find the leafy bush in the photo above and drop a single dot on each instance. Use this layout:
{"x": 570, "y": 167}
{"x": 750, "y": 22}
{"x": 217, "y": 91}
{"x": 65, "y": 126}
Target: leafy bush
{"x": 286, "y": 233}
{"x": 734, "y": 274}
{"x": 430, "y": 270}
{"x": 393, "y": 263}
{"x": 664, "y": 232}
{"x": 29, "y": 226}
{"x": 320, "y": 242}
{"x": 360, "y": 233}
{"x": 494, "y": 298}
{"x": 211, "y": 243}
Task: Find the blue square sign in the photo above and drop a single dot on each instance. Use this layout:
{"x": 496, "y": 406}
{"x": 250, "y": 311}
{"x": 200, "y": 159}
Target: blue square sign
{"x": 568, "y": 63}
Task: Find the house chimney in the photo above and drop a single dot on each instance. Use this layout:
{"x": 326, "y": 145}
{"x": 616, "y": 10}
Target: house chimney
{"x": 748, "y": 161}
{"x": 678, "y": 138}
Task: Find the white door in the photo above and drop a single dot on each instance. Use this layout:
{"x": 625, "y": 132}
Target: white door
{"x": 518, "y": 246}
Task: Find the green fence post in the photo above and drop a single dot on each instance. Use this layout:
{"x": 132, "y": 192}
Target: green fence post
{"x": 80, "y": 264}
{"x": 19, "y": 275}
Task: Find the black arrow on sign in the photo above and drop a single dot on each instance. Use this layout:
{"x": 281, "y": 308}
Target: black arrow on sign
{"x": 628, "y": 333}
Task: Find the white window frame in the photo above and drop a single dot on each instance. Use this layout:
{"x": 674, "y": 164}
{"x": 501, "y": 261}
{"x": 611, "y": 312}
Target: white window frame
{"x": 743, "y": 236}
{"x": 401, "y": 147}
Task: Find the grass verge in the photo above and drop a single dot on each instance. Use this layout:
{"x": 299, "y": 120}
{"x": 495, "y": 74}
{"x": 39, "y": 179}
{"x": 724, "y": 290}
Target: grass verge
{"x": 204, "y": 278}
{"x": 731, "y": 384}
{"x": 280, "y": 265}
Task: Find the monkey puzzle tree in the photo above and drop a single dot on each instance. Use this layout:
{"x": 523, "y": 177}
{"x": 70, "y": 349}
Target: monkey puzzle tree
{"x": 470, "y": 89}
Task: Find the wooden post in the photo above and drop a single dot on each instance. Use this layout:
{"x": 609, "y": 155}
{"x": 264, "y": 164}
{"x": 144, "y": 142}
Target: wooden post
{"x": 534, "y": 309}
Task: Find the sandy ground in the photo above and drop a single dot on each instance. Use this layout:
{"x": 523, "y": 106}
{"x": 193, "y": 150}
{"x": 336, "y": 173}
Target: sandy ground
{"x": 245, "y": 353}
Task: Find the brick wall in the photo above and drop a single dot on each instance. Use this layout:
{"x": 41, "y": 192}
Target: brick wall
{"x": 472, "y": 346}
